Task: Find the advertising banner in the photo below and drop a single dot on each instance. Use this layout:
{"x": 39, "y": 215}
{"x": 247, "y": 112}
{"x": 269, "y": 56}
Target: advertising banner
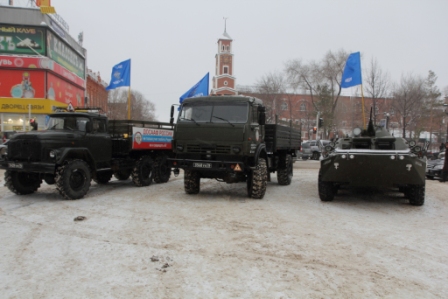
{"x": 22, "y": 40}
{"x": 40, "y": 63}
{"x": 64, "y": 92}
{"x": 60, "y": 52}
{"x": 144, "y": 138}
{"x": 22, "y": 84}
{"x": 29, "y": 105}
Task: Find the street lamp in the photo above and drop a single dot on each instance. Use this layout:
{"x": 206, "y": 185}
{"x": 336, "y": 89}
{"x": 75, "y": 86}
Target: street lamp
{"x": 445, "y": 165}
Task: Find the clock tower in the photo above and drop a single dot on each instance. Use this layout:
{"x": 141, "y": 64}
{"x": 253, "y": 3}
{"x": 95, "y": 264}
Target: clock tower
{"x": 224, "y": 81}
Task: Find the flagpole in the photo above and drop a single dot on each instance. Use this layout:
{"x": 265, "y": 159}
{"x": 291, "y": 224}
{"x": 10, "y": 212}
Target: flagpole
{"x": 129, "y": 103}
{"x": 362, "y": 103}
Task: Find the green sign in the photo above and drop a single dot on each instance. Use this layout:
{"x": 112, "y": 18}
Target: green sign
{"x": 60, "y": 52}
{"x": 22, "y": 40}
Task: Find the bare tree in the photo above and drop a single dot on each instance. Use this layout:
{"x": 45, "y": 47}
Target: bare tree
{"x": 431, "y": 110}
{"x": 141, "y": 108}
{"x": 271, "y": 87}
{"x": 377, "y": 85}
{"x": 408, "y": 100}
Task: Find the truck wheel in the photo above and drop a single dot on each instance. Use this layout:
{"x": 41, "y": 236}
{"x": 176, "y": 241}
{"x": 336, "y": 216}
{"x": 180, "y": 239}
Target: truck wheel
{"x": 73, "y": 179}
{"x": 417, "y": 195}
{"x": 162, "y": 171}
{"x": 142, "y": 173}
{"x": 257, "y": 180}
{"x": 192, "y": 182}
{"x": 22, "y": 183}
{"x": 49, "y": 179}
{"x": 103, "y": 177}
{"x": 285, "y": 172}
{"x": 122, "y": 174}
{"x": 326, "y": 190}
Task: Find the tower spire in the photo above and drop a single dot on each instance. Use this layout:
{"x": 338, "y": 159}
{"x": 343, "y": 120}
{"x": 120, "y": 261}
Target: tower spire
{"x": 225, "y": 24}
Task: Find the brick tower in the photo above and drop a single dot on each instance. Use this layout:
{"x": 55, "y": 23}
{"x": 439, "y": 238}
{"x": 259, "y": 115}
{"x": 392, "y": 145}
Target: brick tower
{"x": 224, "y": 81}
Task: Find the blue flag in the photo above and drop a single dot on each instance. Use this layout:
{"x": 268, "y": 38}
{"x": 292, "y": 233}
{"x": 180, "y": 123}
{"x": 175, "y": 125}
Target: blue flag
{"x": 200, "y": 89}
{"x": 121, "y": 75}
{"x": 352, "y": 72}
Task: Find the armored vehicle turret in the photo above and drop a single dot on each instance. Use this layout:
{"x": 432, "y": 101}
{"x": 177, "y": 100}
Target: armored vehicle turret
{"x": 373, "y": 158}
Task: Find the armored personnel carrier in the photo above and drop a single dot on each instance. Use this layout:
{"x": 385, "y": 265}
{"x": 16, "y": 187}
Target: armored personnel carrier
{"x": 373, "y": 158}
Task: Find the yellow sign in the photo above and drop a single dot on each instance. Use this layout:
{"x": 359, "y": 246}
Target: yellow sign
{"x": 37, "y": 106}
{"x": 47, "y": 9}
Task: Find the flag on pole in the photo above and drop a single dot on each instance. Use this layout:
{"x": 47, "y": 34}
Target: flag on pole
{"x": 121, "y": 75}
{"x": 352, "y": 72}
{"x": 200, "y": 89}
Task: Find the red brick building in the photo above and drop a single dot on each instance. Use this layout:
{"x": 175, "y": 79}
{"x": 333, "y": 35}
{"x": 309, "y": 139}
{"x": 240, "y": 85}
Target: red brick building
{"x": 96, "y": 93}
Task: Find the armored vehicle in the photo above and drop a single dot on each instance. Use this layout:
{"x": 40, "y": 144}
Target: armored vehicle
{"x": 78, "y": 146}
{"x": 373, "y": 158}
{"x": 226, "y": 138}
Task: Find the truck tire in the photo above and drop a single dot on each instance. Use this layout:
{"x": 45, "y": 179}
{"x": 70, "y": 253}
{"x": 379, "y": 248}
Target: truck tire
{"x": 142, "y": 172}
{"x": 122, "y": 174}
{"x": 103, "y": 177}
{"x": 285, "y": 170}
{"x": 73, "y": 179}
{"x": 326, "y": 190}
{"x": 257, "y": 180}
{"x": 192, "y": 182}
{"x": 162, "y": 171}
{"x": 22, "y": 183}
{"x": 416, "y": 195}
{"x": 49, "y": 179}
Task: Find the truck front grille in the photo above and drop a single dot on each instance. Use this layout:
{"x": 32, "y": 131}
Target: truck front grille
{"x": 24, "y": 149}
{"x": 207, "y": 149}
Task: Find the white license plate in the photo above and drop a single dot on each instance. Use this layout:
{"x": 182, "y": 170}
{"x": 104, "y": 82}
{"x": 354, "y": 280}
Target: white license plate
{"x": 202, "y": 165}
{"x": 15, "y": 165}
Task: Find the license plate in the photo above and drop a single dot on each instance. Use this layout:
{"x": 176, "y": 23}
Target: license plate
{"x": 202, "y": 165}
{"x": 15, "y": 165}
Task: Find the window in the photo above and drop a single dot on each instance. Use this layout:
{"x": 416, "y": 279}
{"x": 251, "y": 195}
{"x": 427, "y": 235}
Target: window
{"x": 215, "y": 113}
{"x": 222, "y": 49}
{"x": 284, "y": 106}
{"x": 302, "y": 107}
{"x": 392, "y": 111}
{"x": 225, "y": 83}
{"x": 226, "y": 70}
{"x": 228, "y": 48}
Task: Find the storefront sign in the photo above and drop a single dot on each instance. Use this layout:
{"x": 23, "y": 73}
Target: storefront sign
{"x": 22, "y": 40}
{"x": 64, "y": 92}
{"x": 22, "y": 84}
{"x": 40, "y": 63}
{"x": 29, "y": 105}
{"x": 60, "y": 52}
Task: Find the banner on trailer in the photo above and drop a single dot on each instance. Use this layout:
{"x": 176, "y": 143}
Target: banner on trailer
{"x": 149, "y": 138}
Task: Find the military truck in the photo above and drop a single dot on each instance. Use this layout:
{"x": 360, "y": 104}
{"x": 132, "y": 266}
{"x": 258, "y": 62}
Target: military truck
{"x": 81, "y": 145}
{"x": 226, "y": 138}
{"x": 373, "y": 158}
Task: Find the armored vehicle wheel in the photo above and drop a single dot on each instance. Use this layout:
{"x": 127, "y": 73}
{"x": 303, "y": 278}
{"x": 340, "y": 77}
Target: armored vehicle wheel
{"x": 49, "y": 179}
{"x": 103, "y": 177}
{"x": 162, "y": 171}
{"x": 122, "y": 174}
{"x": 326, "y": 190}
{"x": 315, "y": 156}
{"x": 417, "y": 195}
{"x": 73, "y": 179}
{"x": 142, "y": 173}
{"x": 285, "y": 171}
{"x": 430, "y": 177}
{"x": 192, "y": 182}
{"x": 257, "y": 180}
{"x": 22, "y": 183}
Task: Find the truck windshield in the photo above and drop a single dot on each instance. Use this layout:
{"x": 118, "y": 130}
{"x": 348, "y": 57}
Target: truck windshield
{"x": 215, "y": 112}
{"x": 67, "y": 123}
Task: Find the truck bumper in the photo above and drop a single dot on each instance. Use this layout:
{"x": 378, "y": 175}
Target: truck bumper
{"x": 207, "y": 165}
{"x": 27, "y": 166}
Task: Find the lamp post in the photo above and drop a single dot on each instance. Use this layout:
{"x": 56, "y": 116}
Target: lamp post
{"x": 445, "y": 165}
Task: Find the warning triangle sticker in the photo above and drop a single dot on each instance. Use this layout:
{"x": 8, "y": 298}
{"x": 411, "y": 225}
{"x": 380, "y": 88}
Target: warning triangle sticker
{"x": 237, "y": 167}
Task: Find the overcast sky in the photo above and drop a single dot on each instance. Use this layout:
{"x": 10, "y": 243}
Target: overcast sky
{"x": 172, "y": 43}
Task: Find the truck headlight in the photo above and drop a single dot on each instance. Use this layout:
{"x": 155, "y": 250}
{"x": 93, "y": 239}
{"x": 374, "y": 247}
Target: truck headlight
{"x": 53, "y": 154}
{"x": 236, "y": 149}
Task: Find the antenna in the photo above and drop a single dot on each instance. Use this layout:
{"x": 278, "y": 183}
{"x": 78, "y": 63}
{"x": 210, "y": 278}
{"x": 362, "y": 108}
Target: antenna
{"x": 225, "y": 23}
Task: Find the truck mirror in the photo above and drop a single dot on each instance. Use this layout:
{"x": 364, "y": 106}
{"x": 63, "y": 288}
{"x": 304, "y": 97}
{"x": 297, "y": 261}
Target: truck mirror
{"x": 172, "y": 115}
{"x": 88, "y": 127}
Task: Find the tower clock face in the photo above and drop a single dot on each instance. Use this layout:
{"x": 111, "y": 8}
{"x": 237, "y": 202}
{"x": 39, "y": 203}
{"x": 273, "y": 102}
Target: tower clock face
{"x": 226, "y": 59}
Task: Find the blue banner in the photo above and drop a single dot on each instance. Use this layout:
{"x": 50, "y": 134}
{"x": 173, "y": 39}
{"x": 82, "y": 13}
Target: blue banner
{"x": 200, "y": 89}
{"x": 352, "y": 72}
{"x": 121, "y": 75}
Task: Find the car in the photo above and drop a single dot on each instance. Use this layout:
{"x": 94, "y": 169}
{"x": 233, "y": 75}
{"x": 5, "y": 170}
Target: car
{"x": 3, "y": 150}
{"x": 305, "y": 151}
{"x": 316, "y": 147}
{"x": 434, "y": 167}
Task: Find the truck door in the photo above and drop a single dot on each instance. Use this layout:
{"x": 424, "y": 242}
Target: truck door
{"x": 99, "y": 141}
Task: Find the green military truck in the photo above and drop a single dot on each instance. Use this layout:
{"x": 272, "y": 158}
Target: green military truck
{"x": 226, "y": 138}
{"x": 82, "y": 145}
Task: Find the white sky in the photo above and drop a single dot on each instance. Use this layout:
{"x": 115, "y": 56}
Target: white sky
{"x": 172, "y": 43}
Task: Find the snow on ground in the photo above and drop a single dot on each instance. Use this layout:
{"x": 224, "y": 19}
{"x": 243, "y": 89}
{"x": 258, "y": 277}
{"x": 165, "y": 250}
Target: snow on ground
{"x": 158, "y": 242}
